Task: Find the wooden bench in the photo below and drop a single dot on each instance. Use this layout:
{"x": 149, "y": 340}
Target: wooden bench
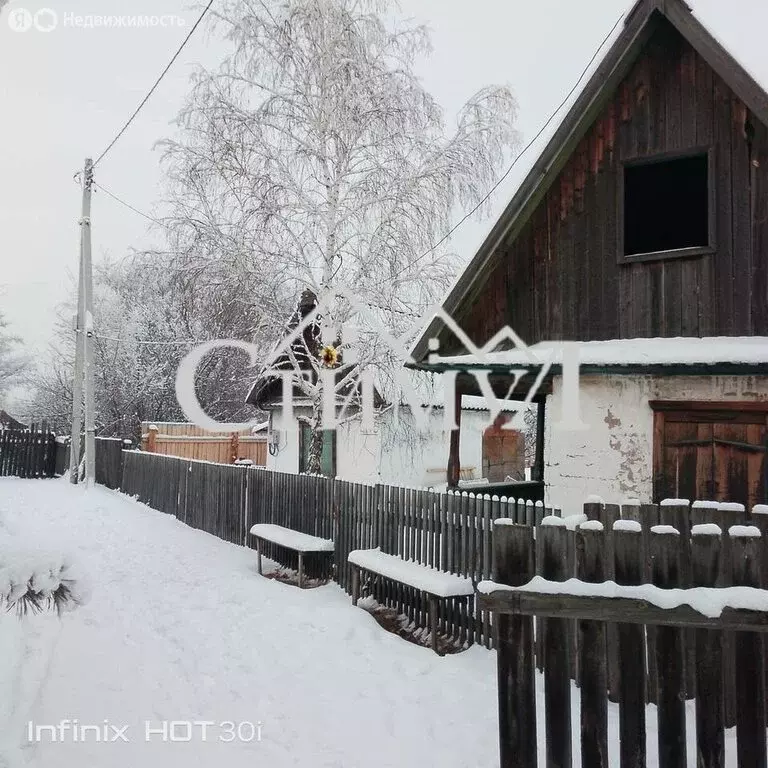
{"x": 435, "y": 584}
{"x": 286, "y": 537}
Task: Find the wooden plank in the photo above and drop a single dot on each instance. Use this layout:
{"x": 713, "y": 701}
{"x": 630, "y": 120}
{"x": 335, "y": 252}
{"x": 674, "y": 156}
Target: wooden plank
{"x": 670, "y": 659}
{"x": 626, "y": 610}
{"x": 750, "y": 666}
{"x": 590, "y": 564}
{"x": 516, "y": 687}
{"x": 629, "y": 568}
{"x": 723, "y": 264}
{"x": 553, "y": 541}
{"x": 710, "y": 732}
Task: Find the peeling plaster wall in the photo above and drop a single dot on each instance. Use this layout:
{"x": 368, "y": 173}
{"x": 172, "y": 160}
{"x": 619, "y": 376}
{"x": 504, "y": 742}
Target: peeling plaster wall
{"x": 612, "y": 457}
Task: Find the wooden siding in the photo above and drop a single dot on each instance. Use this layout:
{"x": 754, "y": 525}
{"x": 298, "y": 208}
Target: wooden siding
{"x": 560, "y": 278}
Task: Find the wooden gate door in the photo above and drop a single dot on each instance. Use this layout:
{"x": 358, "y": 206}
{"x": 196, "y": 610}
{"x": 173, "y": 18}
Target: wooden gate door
{"x": 711, "y": 451}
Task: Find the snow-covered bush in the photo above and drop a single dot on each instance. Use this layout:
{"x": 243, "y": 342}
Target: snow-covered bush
{"x": 36, "y": 582}
{"x": 35, "y": 589}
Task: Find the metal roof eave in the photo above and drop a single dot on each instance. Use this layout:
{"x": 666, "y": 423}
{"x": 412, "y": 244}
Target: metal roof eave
{"x": 656, "y": 369}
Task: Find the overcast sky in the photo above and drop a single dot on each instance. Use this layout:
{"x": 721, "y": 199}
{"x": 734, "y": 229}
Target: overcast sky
{"x": 65, "y": 93}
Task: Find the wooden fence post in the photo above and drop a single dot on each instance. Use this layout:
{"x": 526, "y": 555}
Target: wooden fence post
{"x": 553, "y": 542}
{"x": 677, "y": 513}
{"x": 706, "y": 545}
{"x": 750, "y": 672}
{"x": 729, "y": 515}
{"x": 670, "y": 659}
{"x": 590, "y": 566}
{"x": 629, "y": 568}
{"x": 517, "y": 695}
{"x": 152, "y": 439}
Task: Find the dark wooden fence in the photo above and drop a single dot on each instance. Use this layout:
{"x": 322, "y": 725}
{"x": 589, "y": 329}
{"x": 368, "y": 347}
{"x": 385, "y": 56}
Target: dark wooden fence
{"x": 584, "y": 631}
{"x": 27, "y": 452}
{"x": 452, "y": 532}
{"x": 448, "y": 531}
{"x": 109, "y": 459}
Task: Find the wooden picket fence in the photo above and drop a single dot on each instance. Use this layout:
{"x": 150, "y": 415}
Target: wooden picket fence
{"x": 109, "y": 459}
{"x": 718, "y": 661}
{"x": 451, "y": 532}
{"x": 27, "y": 453}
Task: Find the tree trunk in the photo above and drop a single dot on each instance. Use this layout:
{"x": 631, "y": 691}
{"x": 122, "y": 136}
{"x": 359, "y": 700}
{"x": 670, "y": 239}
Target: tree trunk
{"x": 314, "y": 465}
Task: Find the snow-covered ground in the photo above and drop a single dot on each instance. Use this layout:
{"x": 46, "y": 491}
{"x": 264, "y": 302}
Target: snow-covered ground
{"x": 181, "y": 628}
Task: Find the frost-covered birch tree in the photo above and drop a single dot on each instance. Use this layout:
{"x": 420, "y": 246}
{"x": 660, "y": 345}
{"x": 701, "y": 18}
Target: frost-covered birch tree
{"x": 13, "y": 362}
{"x": 313, "y": 157}
{"x": 144, "y": 318}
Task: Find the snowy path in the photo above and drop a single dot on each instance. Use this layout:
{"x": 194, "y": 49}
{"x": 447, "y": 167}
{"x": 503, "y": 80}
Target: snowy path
{"x": 182, "y": 628}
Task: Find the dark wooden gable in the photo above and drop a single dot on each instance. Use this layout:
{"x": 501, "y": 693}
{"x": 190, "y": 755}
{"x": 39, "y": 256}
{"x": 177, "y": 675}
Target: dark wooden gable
{"x": 559, "y": 276}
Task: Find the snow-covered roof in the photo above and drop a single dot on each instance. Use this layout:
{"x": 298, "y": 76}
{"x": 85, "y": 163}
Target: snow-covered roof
{"x": 712, "y": 350}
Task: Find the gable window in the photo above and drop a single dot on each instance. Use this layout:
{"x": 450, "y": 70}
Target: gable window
{"x": 666, "y": 207}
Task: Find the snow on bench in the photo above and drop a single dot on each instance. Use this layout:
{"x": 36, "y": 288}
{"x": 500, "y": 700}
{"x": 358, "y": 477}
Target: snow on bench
{"x": 290, "y": 539}
{"x": 436, "y": 584}
{"x": 421, "y": 577}
{"x": 287, "y": 537}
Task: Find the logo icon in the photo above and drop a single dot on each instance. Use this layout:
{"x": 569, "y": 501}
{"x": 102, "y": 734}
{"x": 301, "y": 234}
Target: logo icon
{"x": 20, "y": 20}
{"x": 46, "y": 20}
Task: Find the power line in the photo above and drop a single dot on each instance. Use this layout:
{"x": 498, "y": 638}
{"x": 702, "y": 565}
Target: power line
{"x": 157, "y": 83}
{"x": 129, "y": 206}
{"x": 144, "y": 342}
{"x": 514, "y": 162}
{"x": 463, "y": 218}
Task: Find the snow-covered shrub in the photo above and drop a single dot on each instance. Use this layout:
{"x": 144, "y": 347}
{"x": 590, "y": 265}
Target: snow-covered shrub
{"x": 35, "y": 589}
{"x": 36, "y": 582}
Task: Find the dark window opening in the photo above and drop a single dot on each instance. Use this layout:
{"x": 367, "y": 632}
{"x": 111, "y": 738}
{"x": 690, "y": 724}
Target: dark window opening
{"x": 666, "y": 205}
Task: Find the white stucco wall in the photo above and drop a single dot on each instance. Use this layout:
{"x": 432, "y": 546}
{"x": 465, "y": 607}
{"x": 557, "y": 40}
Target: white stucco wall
{"x": 373, "y": 457}
{"x": 357, "y": 453}
{"x": 613, "y": 456}
{"x": 286, "y": 459}
{"x": 408, "y": 462}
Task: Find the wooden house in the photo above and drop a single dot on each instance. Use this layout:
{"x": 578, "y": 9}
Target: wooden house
{"x": 8, "y": 422}
{"x": 641, "y": 231}
{"x": 390, "y": 450}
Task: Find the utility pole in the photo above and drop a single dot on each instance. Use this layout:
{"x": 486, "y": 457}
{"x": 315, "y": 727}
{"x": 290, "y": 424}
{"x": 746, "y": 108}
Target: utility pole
{"x": 90, "y": 416}
{"x": 83, "y": 382}
{"x": 77, "y": 382}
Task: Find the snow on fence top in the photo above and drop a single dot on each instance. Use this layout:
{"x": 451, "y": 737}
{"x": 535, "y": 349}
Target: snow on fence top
{"x": 285, "y": 537}
{"x": 36, "y": 582}
{"x": 708, "y": 601}
{"x": 412, "y": 574}
{"x": 656, "y": 351}
{"x": 664, "y": 529}
{"x": 706, "y": 529}
{"x": 627, "y": 525}
{"x": 744, "y": 531}
{"x": 553, "y": 520}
